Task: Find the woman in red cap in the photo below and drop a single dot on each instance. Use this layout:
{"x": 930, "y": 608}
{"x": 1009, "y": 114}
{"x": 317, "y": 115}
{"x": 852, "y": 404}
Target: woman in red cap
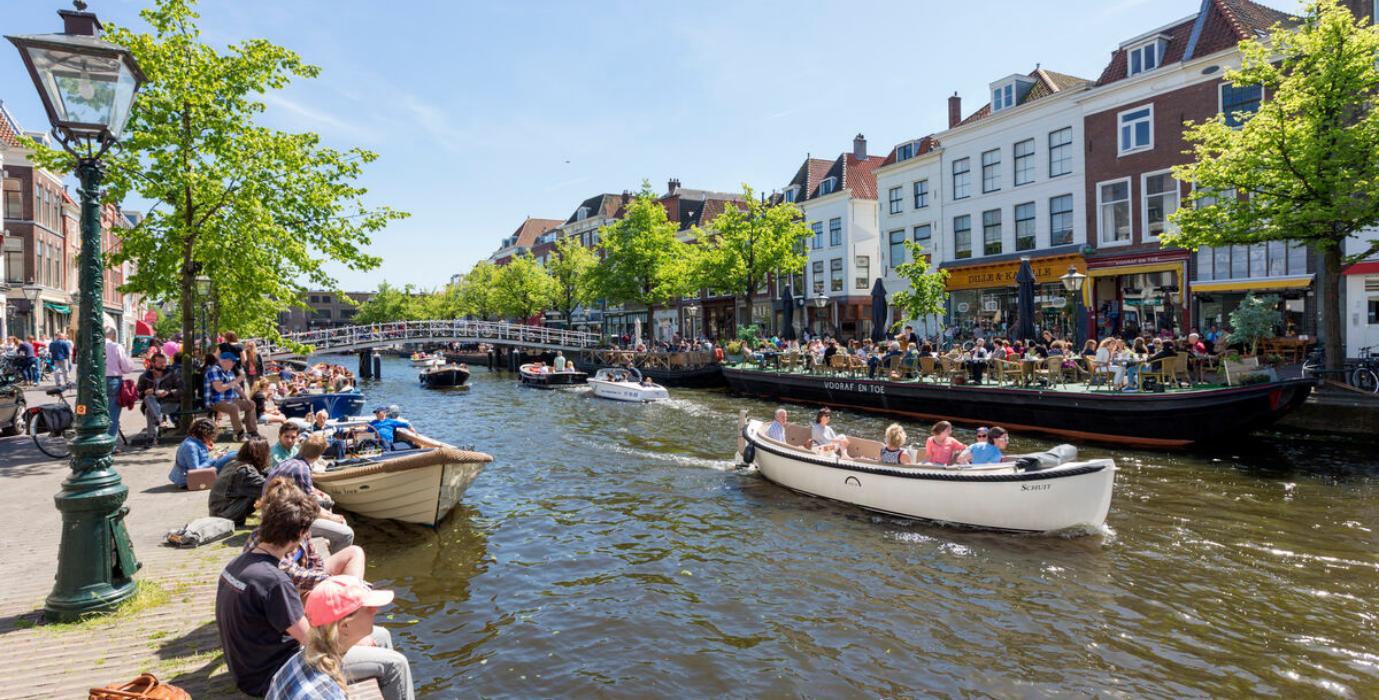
{"x": 341, "y": 612}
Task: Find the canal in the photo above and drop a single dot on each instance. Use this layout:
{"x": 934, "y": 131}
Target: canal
{"x": 613, "y": 550}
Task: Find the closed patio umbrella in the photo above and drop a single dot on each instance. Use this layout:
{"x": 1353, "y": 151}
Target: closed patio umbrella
{"x": 878, "y": 311}
{"x": 1024, "y": 323}
{"x": 787, "y": 313}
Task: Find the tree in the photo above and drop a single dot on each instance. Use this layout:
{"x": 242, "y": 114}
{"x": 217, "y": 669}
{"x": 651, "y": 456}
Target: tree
{"x": 928, "y": 292}
{"x": 571, "y": 268}
{"x": 478, "y": 292}
{"x": 257, "y": 210}
{"x": 1256, "y": 319}
{"x": 747, "y": 244}
{"x": 523, "y": 288}
{"x": 1303, "y": 167}
{"x": 388, "y": 304}
{"x": 644, "y": 261}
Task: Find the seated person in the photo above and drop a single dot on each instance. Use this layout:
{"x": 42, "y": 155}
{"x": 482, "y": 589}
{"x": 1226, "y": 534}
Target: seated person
{"x": 286, "y": 446}
{"x": 822, "y": 437}
{"x": 894, "y": 451}
{"x": 161, "y": 390}
{"x": 1162, "y": 350}
{"x": 942, "y": 447}
{"x": 329, "y": 525}
{"x": 240, "y": 483}
{"x": 776, "y": 430}
{"x": 387, "y": 429}
{"x": 195, "y": 452}
{"x": 320, "y": 424}
{"x": 988, "y": 451}
{"x": 340, "y": 612}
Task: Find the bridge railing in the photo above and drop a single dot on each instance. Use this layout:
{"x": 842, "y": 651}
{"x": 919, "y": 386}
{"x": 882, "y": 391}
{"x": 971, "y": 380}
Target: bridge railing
{"x": 502, "y": 332}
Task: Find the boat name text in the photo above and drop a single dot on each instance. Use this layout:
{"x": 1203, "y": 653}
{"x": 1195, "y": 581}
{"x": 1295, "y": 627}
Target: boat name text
{"x": 854, "y": 386}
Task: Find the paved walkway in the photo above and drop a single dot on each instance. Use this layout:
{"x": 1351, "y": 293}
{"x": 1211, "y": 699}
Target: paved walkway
{"x": 175, "y": 639}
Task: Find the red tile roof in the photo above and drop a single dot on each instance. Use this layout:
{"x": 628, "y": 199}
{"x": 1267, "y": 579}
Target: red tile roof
{"x": 527, "y": 232}
{"x": 811, "y": 171}
{"x": 926, "y": 144}
{"x": 9, "y": 128}
{"x": 1046, "y": 82}
{"x": 859, "y": 175}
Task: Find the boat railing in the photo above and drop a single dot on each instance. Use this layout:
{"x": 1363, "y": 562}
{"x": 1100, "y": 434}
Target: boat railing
{"x": 446, "y": 330}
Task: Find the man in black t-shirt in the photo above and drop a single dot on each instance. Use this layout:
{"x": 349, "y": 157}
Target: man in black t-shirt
{"x": 257, "y": 607}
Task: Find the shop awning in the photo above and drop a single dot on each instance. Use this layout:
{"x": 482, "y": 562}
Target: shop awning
{"x": 57, "y": 308}
{"x": 1247, "y": 284}
{"x": 1047, "y": 270}
{"x": 1173, "y": 266}
{"x": 1368, "y": 267}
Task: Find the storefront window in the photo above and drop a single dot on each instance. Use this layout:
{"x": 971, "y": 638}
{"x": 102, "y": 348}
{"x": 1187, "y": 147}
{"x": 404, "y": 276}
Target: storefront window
{"x": 1239, "y": 262}
{"x": 1277, "y": 260}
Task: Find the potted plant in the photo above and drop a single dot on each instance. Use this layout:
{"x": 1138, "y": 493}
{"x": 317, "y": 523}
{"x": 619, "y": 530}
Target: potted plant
{"x": 734, "y": 351}
{"x": 1254, "y": 320}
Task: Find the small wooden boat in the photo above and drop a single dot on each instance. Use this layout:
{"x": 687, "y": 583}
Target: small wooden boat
{"x": 444, "y": 376}
{"x": 541, "y": 376}
{"x": 1047, "y": 492}
{"x": 342, "y": 405}
{"x": 626, "y": 384}
{"x": 422, "y": 360}
{"x": 413, "y": 486}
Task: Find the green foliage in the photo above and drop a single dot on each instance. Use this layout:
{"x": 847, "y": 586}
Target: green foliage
{"x": 478, "y": 293}
{"x": 522, "y": 288}
{"x": 928, "y": 292}
{"x": 1303, "y": 168}
{"x": 749, "y": 334}
{"x": 389, "y": 304}
{"x": 169, "y": 322}
{"x": 571, "y": 267}
{"x": 747, "y": 243}
{"x": 644, "y": 262}
{"x": 1256, "y": 319}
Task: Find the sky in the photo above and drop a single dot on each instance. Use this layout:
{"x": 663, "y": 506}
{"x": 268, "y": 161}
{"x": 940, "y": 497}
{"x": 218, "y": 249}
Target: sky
{"x": 485, "y": 113}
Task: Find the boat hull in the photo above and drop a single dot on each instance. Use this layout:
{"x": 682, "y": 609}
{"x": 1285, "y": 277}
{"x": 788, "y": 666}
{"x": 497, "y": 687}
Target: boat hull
{"x": 551, "y": 380}
{"x": 414, "y": 488}
{"x": 337, "y": 405}
{"x": 625, "y": 391}
{"x": 707, "y": 377}
{"x": 1170, "y": 419}
{"x": 441, "y": 377}
{"x": 1075, "y": 496}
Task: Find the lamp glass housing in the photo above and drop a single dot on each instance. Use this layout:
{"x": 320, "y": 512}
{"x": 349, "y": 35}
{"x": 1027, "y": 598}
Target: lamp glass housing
{"x": 87, "y": 84}
{"x": 203, "y": 285}
{"x": 1074, "y": 280}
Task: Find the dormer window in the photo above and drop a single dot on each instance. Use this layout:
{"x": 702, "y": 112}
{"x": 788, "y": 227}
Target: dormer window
{"x": 792, "y": 193}
{"x": 583, "y": 213}
{"x": 1010, "y": 91}
{"x": 906, "y": 151}
{"x": 828, "y": 186}
{"x": 1146, "y": 55}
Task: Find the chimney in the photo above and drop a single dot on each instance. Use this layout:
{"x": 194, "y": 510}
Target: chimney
{"x": 954, "y": 110}
{"x": 859, "y": 147}
{"x": 672, "y": 185}
{"x": 626, "y": 196}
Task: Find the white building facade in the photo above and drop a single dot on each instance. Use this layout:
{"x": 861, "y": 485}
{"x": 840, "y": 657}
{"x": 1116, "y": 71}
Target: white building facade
{"x": 909, "y": 184}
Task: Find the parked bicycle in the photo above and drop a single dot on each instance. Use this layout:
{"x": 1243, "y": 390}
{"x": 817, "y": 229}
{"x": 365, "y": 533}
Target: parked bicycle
{"x": 53, "y": 425}
{"x": 1363, "y": 374}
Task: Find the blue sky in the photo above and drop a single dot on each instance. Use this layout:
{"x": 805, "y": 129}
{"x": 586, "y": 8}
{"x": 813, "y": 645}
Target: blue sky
{"x": 484, "y": 113}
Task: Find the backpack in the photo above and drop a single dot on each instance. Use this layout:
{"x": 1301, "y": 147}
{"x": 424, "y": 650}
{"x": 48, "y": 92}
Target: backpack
{"x": 129, "y": 395}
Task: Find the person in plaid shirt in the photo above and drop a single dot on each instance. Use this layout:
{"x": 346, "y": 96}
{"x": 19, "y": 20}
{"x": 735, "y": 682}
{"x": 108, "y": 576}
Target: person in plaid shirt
{"x": 224, "y": 392}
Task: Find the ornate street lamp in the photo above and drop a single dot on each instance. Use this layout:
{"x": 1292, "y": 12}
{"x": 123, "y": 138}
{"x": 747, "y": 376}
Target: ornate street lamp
{"x": 820, "y": 301}
{"x": 87, "y": 86}
{"x": 32, "y": 292}
{"x": 1073, "y": 282}
{"x": 203, "y": 294}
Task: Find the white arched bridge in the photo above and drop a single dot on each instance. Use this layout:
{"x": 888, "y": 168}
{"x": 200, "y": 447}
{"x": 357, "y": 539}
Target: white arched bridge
{"x": 352, "y": 338}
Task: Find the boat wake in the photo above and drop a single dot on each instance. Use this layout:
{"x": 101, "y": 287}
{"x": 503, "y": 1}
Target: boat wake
{"x": 722, "y": 465}
{"x": 693, "y": 408}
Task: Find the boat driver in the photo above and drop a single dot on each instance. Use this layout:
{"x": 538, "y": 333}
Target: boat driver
{"x": 387, "y": 430}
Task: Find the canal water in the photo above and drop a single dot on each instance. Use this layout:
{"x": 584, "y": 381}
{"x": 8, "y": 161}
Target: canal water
{"x": 613, "y": 550}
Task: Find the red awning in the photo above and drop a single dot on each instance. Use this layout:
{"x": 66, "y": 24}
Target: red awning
{"x": 141, "y": 328}
{"x": 1369, "y": 267}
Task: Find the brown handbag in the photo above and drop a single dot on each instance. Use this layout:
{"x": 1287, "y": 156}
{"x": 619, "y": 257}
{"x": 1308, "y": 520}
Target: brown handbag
{"x": 145, "y": 687}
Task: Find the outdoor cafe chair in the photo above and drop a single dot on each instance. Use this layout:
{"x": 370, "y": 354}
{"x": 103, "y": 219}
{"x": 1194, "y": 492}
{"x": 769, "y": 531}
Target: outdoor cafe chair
{"x": 927, "y": 368}
{"x": 1007, "y": 372}
{"x": 838, "y": 363}
{"x": 1160, "y": 370}
{"x": 1052, "y": 371}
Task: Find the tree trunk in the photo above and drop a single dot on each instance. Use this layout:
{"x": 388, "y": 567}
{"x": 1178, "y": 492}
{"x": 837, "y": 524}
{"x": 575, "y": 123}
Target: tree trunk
{"x": 746, "y": 308}
{"x": 1330, "y": 296}
{"x": 189, "y": 355}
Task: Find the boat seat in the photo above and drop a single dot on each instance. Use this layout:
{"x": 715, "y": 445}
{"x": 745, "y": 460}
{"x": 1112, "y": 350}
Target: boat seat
{"x": 862, "y": 448}
{"x": 797, "y": 435}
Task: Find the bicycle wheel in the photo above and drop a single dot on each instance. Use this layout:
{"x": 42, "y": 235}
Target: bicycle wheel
{"x": 55, "y": 447}
{"x": 1364, "y": 379}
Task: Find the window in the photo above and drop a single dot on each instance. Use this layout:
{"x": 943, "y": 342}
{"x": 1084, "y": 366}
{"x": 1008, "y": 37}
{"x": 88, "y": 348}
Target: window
{"x": 1204, "y": 263}
{"x": 1061, "y": 220}
{"x": 962, "y": 178}
{"x": 1113, "y": 202}
{"x": 818, "y": 277}
{"x": 1061, "y": 152}
{"x": 1297, "y": 259}
{"x": 835, "y": 272}
{"x": 906, "y": 151}
{"x": 1278, "y": 261}
{"x": 835, "y": 232}
{"x": 583, "y": 213}
{"x": 1024, "y": 162}
{"x": 14, "y": 200}
{"x": 897, "y": 238}
{"x": 828, "y": 186}
{"x": 896, "y": 200}
{"x": 1240, "y": 262}
{"x": 1374, "y": 311}
{"x": 991, "y": 232}
{"x": 1146, "y": 57}
{"x": 1259, "y": 260}
{"x": 923, "y": 233}
{"x": 863, "y": 280}
{"x": 791, "y": 193}
{"x": 818, "y": 227}
{"x": 14, "y": 266}
{"x": 1237, "y": 100}
{"x": 921, "y": 191}
{"x": 1024, "y": 226}
{"x": 1137, "y": 129}
{"x": 1160, "y": 200}
{"x": 991, "y": 170}
{"x": 962, "y": 237}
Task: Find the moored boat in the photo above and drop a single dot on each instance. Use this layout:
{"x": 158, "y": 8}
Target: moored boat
{"x": 422, "y": 360}
{"x": 444, "y": 376}
{"x": 542, "y": 376}
{"x": 340, "y": 405}
{"x": 414, "y": 486}
{"x": 626, "y": 384}
{"x": 1049, "y": 492}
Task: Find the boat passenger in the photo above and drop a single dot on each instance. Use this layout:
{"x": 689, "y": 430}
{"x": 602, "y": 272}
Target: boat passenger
{"x": 822, "y": 437}
{"x": 240, "y": 483}
{"x": 942, "y": 447}
{"x": 286, "y": 446}
{"x": 387, "y": 430}
{"x": 894, "y": 452}
{"x": 559, "y": 361}
{"x": 331, "y": 526}
{"x": 776, "y": 430}
{"x": 988, "y": 452}
{"x": 195, "y": 452}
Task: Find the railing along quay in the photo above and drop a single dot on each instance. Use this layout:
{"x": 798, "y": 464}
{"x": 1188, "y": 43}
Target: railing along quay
{"x": 350, "y": 338}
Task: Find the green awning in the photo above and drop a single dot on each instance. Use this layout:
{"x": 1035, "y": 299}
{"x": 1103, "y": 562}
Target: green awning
{"x": 59, "y": 308}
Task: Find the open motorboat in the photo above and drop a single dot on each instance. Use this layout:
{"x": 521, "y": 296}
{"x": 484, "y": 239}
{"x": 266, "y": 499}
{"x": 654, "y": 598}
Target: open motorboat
{"x": 1046, "y": 492}
{"x": 421, "y": 360}
{"x": 543, "y": 376}
{"x": 414, "y": 486}
{"x": 446, "y": 375}
{"x": 338, "y": 405}
{"x": 626, "y": 384}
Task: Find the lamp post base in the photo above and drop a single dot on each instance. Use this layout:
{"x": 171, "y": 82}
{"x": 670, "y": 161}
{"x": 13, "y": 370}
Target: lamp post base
{"x": 96, "y": 561}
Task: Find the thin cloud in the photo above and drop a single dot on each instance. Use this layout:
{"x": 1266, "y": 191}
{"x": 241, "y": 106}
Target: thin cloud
{"x": 312, "y": 119}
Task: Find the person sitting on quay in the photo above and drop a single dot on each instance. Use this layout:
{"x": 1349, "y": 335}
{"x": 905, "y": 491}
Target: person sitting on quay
{"x": 225, "y": 394}
{"x": 196, "y": 452}
{"x": 988, "y": 451}
{"x": 320, "y": 425}
{"x": 161, "y": 390}
{"x": 942, "y": 447}
{"x": 387, "y": 430}
{"x": 341, "y": 613}
{"x": 303, "y": 563}
{"x": 286, "y": 446}
{"x": 240, "y": 484}
{"x": 331, "y": 526}
{"x": 776, "y": 430}
{"x": 894, "y": 450}
{"x": 823, "y": 439}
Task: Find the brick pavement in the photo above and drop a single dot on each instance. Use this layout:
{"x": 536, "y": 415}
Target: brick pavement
{"x": 176, "y": 640}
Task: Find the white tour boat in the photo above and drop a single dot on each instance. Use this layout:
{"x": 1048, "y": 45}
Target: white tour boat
{"x": 626, "y": 384}
{"x": 1047, "y": 492}
{"x": 421, "y": 360}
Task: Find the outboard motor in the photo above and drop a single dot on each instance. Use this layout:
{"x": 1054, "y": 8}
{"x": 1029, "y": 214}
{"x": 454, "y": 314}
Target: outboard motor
{"x": 1048, "y": 459}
